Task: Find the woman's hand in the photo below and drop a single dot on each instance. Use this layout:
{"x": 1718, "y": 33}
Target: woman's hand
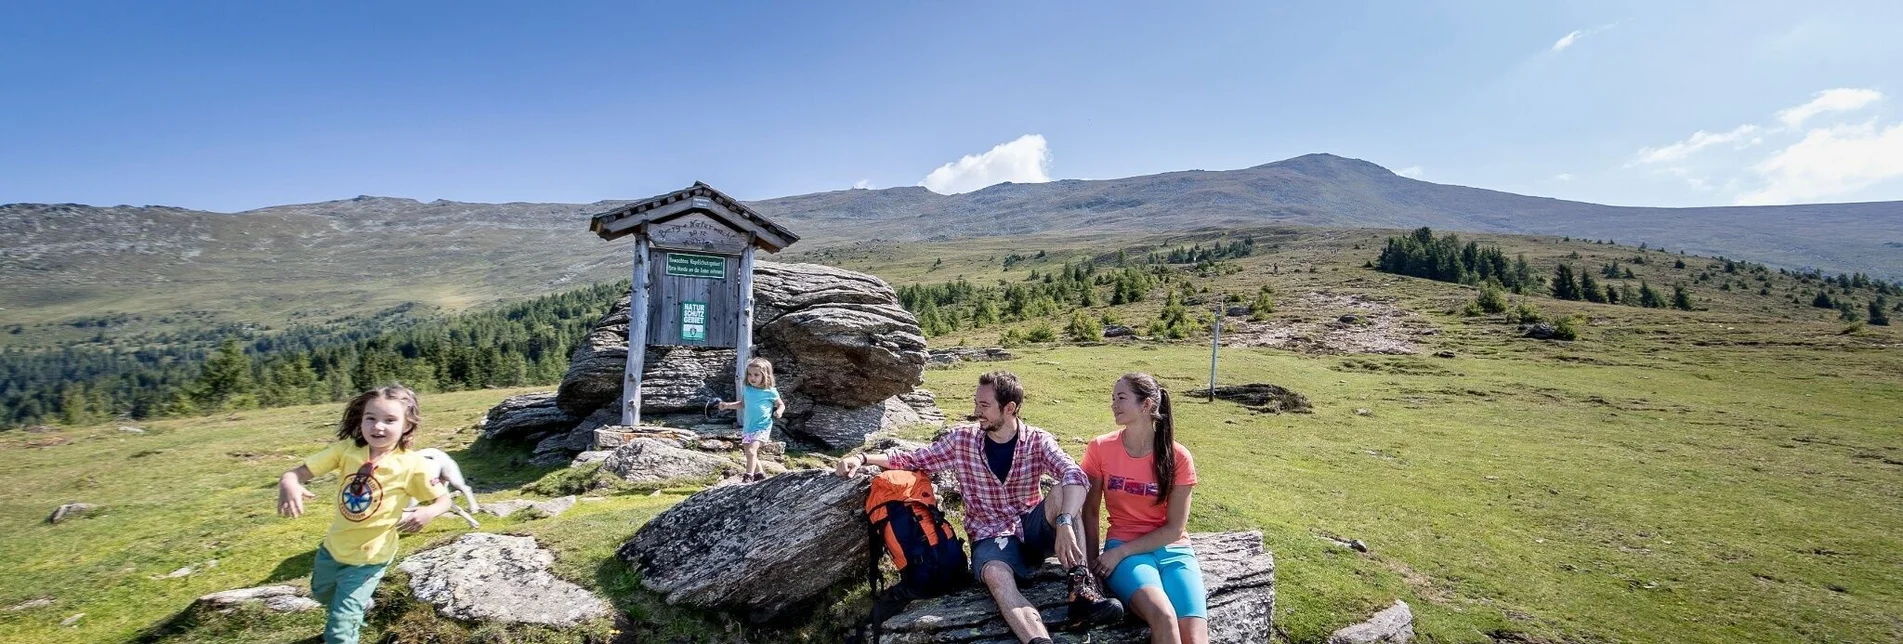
{"x": 291, "y": 497}
{"x": 1107, "y": 562}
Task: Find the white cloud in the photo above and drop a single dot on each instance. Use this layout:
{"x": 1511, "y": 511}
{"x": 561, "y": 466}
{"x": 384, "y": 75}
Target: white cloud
{"x": 1563, "y": 177}
{"x": 1743, "y": 135}
{"x": 1411, "y": 172}
{"x": 1569, "y": 39}
{"x": 1025, "y": 160}
{"x": 1830, "y": 162}
{"x": 1842, "y": 99}
{"x": 862, "y": 184}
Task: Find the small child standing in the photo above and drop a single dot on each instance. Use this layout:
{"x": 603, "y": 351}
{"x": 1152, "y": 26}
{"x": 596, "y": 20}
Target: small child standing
{"x": 379, "y": 477}
{"x": 759, "y": 404}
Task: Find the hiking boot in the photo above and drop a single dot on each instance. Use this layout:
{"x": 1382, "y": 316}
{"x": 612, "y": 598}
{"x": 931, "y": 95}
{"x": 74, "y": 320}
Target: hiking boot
{"x": 1089, "y": 608}
{"x": 759, "y": 476}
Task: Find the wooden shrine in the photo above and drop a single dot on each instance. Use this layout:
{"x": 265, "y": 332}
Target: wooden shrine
{"x": 693, "y": 276}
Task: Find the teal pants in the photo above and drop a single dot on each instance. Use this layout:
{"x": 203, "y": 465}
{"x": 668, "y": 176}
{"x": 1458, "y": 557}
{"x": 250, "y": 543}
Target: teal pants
{"x": 345, "y": 591}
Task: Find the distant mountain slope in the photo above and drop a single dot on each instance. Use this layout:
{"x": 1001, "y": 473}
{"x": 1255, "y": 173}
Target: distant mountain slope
{"x": 64, "y": 259}
{"x": 1327, "y": 190}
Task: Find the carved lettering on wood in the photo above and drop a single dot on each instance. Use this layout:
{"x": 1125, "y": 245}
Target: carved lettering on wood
{"x": 697, "y": 232}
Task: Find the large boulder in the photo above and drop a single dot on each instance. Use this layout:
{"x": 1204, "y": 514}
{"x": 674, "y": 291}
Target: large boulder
{"x": 838, "y": 339}
{"x": 647, "y": 460}
{"x": 1237, "y": 573}
{"x": 762, "y": 549}
{"x": 527, "y": 416}
{"x": 483, "y": 577}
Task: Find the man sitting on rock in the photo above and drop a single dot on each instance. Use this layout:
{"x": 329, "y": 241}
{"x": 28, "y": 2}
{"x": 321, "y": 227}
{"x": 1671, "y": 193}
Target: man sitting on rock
{"x": 1011, "y": 524}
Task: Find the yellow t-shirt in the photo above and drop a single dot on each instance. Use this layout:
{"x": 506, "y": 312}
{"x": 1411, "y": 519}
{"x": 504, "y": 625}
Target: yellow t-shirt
{"x": 369, "y": 507}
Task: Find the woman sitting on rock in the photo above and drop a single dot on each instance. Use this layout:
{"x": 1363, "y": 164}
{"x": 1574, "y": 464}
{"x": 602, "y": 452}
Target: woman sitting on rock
{"x": 1146, "y": 557}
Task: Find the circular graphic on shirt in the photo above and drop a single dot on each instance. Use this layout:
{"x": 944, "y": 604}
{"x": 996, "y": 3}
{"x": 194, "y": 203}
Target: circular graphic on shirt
{"x": 360, "y": 496}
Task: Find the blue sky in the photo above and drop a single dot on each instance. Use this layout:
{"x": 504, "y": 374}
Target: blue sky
{"x": 238, "y": 105}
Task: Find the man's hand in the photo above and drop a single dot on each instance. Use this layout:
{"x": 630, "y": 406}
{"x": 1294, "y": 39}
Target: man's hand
{"x": 415, "y": 518}
{"x": 291, "y": 497}
{"x": 848, "y": 465}
{"x": 1069, "y": 552}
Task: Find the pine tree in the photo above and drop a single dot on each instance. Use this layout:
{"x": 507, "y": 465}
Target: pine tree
{"x": 1823, "y": 301}
{"x": 226, "y": 374}
{"x": 1565, "y": 287}
{"x": 1680, "y": 299}
{"x": 1878, "y": 314}
{"x": 1081, "y": 329}
{"x": 1648, "y": 297}
{"x": 1589, "y": 289}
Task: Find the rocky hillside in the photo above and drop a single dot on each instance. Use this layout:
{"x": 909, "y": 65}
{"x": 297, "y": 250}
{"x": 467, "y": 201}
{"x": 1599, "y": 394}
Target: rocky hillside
{"x": 64, "y": 259}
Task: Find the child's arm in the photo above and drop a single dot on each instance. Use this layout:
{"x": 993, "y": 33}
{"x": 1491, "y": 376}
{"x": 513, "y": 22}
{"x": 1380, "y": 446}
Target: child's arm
{"x": 415, "y": 518}
{"x": 779, "y": 407}
{"x": 724, "y": 405}
{"x": 292, "y": 493}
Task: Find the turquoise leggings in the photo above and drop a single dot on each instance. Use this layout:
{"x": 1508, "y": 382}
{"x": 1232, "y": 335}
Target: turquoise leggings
{"x": 346, "y": 591}
{"x": 1172, "y": 568}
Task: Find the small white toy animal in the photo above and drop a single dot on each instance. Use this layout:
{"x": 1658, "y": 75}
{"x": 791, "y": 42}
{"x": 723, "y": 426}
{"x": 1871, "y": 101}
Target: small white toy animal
{"x": 443, "y": 468}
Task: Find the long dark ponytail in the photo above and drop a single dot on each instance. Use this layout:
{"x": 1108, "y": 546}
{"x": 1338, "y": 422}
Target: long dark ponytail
{"x": 1163, "y": 444}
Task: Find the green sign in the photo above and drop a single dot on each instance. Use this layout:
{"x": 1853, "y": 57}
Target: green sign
{"x": 699, "y": 266}
{"x": 694, "y": 321}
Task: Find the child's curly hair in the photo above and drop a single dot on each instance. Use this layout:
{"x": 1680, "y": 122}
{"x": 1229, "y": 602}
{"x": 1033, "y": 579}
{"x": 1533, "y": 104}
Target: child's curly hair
{"x": 352, "y": 425}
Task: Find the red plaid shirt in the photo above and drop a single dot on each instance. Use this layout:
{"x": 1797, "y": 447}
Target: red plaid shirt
{"x": 992, "y": 507}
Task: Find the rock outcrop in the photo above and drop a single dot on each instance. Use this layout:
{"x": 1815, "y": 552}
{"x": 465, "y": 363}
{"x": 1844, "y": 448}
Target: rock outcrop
{"x": 527, "y": 417}
{"x": 1261, "y": 397}
{"x": 840, "y": 342}
{"x": 761, "y": 550}
{"x": 483, "y": 577}
{"x": 1237, "y": 573}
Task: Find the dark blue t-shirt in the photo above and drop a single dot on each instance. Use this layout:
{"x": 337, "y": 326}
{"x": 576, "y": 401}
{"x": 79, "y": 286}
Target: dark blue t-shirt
{"x": 998, "y": 455}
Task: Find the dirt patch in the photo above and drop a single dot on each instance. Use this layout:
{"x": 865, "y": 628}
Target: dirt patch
{"x": 1261, "y": 397}
{"x": 1334, "y": 323}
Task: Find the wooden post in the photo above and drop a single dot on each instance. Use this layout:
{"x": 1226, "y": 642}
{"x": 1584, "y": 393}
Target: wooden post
{"x": 637, "y": 336}
{"x": 744, "y": 350}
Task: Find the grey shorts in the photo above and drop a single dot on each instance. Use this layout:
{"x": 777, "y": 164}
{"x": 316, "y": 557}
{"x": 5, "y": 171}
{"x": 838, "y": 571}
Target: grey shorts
{"x": 1036, "y": 540}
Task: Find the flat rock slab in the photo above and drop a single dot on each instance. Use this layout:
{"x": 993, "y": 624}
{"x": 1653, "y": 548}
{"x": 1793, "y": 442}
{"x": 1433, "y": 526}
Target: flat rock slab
{"x": 762, "y": 550}
{"x": 484, "y": 577}
{"x": 529, "y": 507}
{"x": 646, "y": 460}
{"x": 1393, "y": 625}
{"x": 282, "y": 599}
{"x": 1238, "y": 574}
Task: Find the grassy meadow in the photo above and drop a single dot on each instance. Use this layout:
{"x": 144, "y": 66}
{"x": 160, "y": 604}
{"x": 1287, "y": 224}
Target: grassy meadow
{"x": 1728, "y": 474}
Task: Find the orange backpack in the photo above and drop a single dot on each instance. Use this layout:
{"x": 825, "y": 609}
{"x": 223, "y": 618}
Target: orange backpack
{"x": 905, "y": 521}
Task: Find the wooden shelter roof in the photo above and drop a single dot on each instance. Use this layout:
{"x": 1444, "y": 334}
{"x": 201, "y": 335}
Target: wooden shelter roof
{"x": 698, "y": 198}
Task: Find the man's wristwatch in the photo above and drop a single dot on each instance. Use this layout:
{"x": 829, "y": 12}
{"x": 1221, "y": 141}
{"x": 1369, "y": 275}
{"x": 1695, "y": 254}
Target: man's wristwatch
{"x": 1063, "y": 519}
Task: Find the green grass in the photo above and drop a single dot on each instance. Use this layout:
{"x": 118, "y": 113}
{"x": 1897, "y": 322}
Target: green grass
{"x": 1729, "y": 474}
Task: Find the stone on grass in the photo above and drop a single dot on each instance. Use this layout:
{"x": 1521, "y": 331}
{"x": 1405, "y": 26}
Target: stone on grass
{"x": 484, "y": 577}
{"x": 280, "y": 598}
{"x": 763, "y": 550}
{"x": 1238, "y": 574}
{"x": 529, "y": 508}
{"x": 646, "y": 460}
{"x": 1393, "y": 625}
{"x": 71, "y": 511}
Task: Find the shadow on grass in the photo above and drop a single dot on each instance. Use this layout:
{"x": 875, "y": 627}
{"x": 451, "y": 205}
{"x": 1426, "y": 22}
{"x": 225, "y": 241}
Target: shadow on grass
{"x": 490, "y": 466}
{"x": 297, "y": 566}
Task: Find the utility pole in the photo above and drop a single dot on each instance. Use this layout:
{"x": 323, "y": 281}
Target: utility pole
{"x": 1215, "y": 343}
